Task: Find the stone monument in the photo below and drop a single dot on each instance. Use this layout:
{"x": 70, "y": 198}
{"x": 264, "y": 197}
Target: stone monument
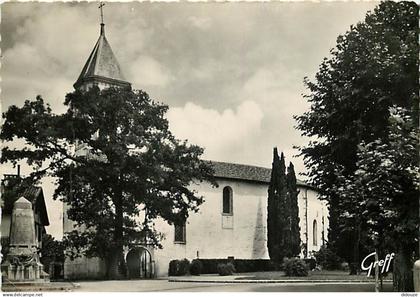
{"x": 22, "y": 263}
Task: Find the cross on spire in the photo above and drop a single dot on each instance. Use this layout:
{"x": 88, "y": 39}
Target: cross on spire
{"x": 101, "y": 4}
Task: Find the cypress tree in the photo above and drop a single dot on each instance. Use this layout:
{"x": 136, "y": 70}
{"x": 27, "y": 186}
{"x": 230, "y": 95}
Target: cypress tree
{"x": 272, "y": 206}
{"x": 282, "y": 211}
{"x": 287, "y": 227}
{"x": 277, "y": 194}
{"x": 292, "y": 194}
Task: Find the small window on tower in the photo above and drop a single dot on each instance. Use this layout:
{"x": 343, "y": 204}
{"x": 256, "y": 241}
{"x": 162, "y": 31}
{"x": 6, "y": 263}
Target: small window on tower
{"x": 180, "y": 233}
{"x": 227, "y": 201}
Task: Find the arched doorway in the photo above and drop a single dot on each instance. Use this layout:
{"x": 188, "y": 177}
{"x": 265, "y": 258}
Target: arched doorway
{"x": 139, "y": 263}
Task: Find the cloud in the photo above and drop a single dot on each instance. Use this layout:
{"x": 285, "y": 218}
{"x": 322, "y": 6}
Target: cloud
{"x": 146, "y": 71}
{"x": 222, "y": 134}
{"x": 202, "y": 23}
{"x": 41, "y": 59}
{"x": 243, "y": 63}
{"x": 23, "y": 63}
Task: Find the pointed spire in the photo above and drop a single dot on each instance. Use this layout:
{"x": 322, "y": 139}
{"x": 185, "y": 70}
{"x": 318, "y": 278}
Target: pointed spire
{"x": 102, "y": 67}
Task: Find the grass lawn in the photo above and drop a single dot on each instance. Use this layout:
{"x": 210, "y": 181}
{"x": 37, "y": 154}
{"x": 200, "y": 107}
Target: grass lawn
{"x": 312, "y": 275}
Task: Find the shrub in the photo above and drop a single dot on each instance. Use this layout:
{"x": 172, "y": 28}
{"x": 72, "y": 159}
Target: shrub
{"x": 196, "y": 267}
{"x": 241, "y": 265}
{"x": 225, "y": 269}
{"x": 327, "y": 259}
{"x": 295, "y": 267}
{"x": 173, "y": 267}
{"x": 178, "y": 267}
{"x": 344, "y": 266}
{"x": 173, "y": 264}
{"x": 311, "y": 263}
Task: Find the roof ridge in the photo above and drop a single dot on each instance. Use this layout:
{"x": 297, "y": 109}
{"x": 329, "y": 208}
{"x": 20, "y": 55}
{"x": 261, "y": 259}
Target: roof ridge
{"x": 232, "y": 170}
{"x": 240, "y": 164}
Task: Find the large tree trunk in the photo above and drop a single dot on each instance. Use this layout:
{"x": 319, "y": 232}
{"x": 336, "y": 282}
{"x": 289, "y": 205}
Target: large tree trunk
{"x": 376, "y": 272}
{"x": 113, "y": 264}
{"x": 116, "y": 261}
{"x": 354, "y": 267}
{"x": 403, "y": 273}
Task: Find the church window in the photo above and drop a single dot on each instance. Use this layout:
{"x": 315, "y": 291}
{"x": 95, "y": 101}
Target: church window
{"x": 315, "y": 233}
{"x": 180, "y": 233}
{"x": 227, "y": 201}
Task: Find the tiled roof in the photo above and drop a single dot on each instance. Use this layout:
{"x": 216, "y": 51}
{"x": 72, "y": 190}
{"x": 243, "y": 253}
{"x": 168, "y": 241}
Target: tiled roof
{"x": 102, "y": 63}
{"x": 36, "y": 196}
{"x": 33, "y": 194}
{"x": 244, "y": 172}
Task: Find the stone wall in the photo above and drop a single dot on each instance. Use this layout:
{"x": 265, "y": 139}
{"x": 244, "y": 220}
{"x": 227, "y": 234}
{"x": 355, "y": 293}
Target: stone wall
{"x": 82, "y": 267}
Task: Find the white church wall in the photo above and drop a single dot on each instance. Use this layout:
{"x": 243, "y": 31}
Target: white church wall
{"x": 302, "y": 219}
{"x": 81, "y": 267}
{"x": 316, "y": 212}
{"x": 84, "y": 268}
{"x": 205, "y": 236}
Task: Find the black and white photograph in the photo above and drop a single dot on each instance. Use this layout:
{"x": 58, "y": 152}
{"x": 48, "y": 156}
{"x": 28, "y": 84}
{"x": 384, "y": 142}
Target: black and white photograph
{"x": 209, "y": 147}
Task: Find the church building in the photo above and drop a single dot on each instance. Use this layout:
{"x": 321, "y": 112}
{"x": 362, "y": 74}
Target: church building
{"x": 232, "y": 222}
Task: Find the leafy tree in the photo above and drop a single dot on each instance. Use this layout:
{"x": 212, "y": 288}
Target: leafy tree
{"x": 352, "y": 221}
{"x": 127, "y": 166}
{"x": 373, "y": 66}
{"x": 327, "y": 259}
{"x": 52, "y": 250}
{"x": 276, "y": 214}
{"x": 388, "y": 177}
{"x": 292, "y": 196}
{"x": 4, "y": 247}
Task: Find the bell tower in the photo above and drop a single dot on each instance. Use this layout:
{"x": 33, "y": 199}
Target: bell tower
{"x": 101, "y": 68}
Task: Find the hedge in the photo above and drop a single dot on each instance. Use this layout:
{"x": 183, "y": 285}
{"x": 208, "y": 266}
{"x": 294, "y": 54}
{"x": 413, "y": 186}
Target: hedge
{"x": 179, "y": 267}
{"x": 241, "y": 265}
{"x": 209, "y": 266}
{"x": 226, "y": 269}
{"x": 196, "y": 267}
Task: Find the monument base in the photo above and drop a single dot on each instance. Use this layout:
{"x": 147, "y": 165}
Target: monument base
{"x": 22, "y": 262}
{"x": 20, "y": 268}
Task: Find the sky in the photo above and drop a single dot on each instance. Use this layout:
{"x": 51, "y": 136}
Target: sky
{"x": 231, "y": 73}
